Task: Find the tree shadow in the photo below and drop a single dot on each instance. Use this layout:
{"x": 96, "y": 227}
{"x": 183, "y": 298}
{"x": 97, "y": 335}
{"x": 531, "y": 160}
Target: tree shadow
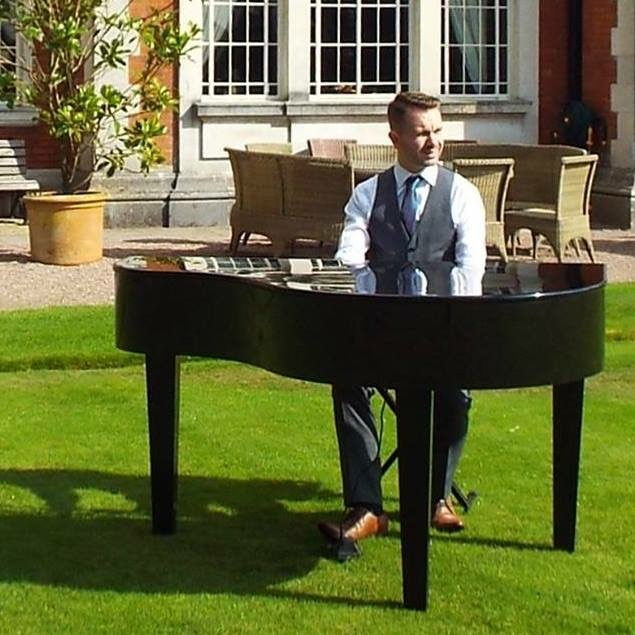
{"x": 259, "y": 247}
{"x": 500, "y": 543}
{"x": 233, "y": 536}
{"x": 14, "y": 256}
{"x": 166, "y": 247}
{"x": 624, "y": 247}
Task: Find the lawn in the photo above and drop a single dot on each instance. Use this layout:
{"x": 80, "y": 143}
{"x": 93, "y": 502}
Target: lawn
{"x": 259, "y": 467}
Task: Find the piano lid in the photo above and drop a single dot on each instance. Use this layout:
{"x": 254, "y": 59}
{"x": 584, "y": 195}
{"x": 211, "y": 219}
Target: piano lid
{"x": 330, "y": 276}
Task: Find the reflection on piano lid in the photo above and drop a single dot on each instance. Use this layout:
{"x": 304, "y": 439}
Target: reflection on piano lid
{"x": 329, "y": 275}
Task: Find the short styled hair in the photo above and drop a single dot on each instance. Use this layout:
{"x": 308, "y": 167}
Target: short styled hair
{"x": 398, "y": 107}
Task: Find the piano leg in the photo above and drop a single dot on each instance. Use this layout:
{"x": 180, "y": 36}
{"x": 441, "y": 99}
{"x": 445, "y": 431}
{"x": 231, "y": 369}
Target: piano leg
{"x": 567, "y": 429}
{"x": 414, "y": 439}
{"x": 162, "y": 385}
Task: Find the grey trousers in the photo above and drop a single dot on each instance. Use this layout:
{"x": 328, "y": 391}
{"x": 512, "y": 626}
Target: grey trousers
{"x": 359, "y": 444}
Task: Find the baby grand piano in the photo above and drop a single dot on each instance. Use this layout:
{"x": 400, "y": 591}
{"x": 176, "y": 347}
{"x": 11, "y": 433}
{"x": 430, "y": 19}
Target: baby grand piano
{"x": 536, "y": 324}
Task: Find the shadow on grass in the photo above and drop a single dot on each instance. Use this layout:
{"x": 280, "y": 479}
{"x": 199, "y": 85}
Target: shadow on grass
{"x": 87, "y": 529}
{"x": 233, "y": 536}
{"x": 91, "y": 530}
{"x": 495, "y": 542}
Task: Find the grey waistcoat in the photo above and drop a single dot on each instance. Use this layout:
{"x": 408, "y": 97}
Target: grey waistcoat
{"x": 392, "y": 248}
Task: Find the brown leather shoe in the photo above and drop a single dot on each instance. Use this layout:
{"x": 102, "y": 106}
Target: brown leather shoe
{"x": 358, "y": 523}
{"x": 445, "y": 518}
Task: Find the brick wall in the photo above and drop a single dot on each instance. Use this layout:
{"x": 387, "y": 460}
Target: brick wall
{"x": 599, "y": 68}
{"x": 553, "y": 65}
{"x": 598, "y": 65}
{"x": 41, "y": 151}
{"x": 169, "y": 77}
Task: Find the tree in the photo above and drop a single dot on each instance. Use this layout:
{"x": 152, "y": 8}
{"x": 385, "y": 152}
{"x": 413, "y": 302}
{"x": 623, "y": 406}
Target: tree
{"x": 74, "y": 44}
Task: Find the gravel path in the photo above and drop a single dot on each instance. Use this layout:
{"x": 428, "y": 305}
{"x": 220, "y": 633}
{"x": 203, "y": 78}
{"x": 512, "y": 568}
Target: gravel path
{"x": 27, "y": 284}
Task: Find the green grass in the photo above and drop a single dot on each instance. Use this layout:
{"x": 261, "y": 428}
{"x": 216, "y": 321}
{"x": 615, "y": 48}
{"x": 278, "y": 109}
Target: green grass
{"x": 77, "y": 555}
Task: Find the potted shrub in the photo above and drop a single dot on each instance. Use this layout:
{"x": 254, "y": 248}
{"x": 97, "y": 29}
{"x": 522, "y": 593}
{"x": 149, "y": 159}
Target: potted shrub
{"x": 75, "y": 47}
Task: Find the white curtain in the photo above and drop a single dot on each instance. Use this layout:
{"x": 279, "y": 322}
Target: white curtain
{"x": 465, "y": 24}
{"x": 221, "y": 20}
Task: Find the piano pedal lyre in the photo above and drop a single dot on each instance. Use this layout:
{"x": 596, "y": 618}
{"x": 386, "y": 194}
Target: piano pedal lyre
{"x": 464, "y": 500}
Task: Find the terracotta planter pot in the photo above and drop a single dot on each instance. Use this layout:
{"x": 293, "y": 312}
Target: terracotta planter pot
{"x": 66, "y": 229}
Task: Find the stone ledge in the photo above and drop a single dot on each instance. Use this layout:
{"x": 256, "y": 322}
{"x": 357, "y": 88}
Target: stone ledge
{"x": 348, "y": 107}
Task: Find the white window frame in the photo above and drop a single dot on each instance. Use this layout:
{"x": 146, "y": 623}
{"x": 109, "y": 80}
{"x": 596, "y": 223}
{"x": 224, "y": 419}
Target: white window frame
{"x": 264, "y": 85}
{"x": 19, "y": 116}
{"x": 294, "y": 51}
{"x": 356, "y": 83}
{"x": 21, "y": 53}
{"x": 482, "y": 86}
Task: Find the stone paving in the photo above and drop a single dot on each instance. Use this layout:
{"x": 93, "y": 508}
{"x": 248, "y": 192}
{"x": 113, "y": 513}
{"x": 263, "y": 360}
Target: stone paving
{"x": 27, "y": 284}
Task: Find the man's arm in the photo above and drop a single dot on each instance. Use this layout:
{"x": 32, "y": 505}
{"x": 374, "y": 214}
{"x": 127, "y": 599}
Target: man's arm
{"x": 468, "y": 214}
{"x": 355, "y": 239}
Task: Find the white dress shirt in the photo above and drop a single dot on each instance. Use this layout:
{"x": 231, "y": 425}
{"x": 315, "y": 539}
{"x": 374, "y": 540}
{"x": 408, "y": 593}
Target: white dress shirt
{"x": 468, "y": 217}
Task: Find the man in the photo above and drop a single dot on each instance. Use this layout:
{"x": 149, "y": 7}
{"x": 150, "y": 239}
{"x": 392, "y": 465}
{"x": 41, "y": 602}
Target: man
{"x": 401, "y": 228}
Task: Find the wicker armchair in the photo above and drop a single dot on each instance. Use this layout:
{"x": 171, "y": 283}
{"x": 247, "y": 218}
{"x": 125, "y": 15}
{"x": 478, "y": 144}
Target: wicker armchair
{"x": 370, "y": 158}
{"x": 491, "y": 177}
{"x": 328, "y": 148}
{"x": 452, "y": 147}
{"x": 276, "y": 148}
{"x": 568, "y": 219}
{"x": 286, "y": 197}
{"x": 315, "y": 191}
{"x": 258, "y": 194}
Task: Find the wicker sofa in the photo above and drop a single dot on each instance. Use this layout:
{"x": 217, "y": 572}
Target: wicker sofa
{"x": 536, "y": 168}
{"x": 549, "y": 194}
{"x": 286, "y": 197}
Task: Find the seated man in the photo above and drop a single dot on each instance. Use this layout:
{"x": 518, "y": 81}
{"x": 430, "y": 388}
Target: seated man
{"x": 401, "y": 228}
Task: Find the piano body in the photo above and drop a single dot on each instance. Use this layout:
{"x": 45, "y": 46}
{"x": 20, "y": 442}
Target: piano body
{"x": 536, "y": 324}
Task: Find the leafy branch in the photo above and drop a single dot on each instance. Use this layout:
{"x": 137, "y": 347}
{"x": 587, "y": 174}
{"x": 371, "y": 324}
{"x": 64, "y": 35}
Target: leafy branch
{"x": 74, "y": 44}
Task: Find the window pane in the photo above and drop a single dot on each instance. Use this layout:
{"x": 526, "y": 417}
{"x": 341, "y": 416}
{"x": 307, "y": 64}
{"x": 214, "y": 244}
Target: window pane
{"x": 241, "y": 41}
{"x": 502, "y": 64}
{"x": 369, "y": 64}
{"x": 273, "y": 23}
{"x": 221, "y": 63}
{"x": 387, "y": 25}
{"x": 403, "y": 25}
{"x": 329, "y": 65}
{"x": 256, "y": 24}
{"x": 239, "y": 63}
{"x": 361, "y": 25}
{"x": 239, "y": 24}
{"x": 347, "y": 64}
{"x": 348, "y": 24}
{"x": 369, "y": 24}
{"x": 221, "y": 24}
{"x": 456, "y": 64}
{"x": 329, "y": 25}
{"x": 490, "y": 63}
{"x": 404, "y": 70}
{"x": 489, "y": 26}
{"x": 256, "y": 64}
{"x": 387, "y": 64}
{"x": 474, "y": 47}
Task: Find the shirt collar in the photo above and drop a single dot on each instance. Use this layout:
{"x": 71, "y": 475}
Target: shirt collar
{"x": 429, "y": 174}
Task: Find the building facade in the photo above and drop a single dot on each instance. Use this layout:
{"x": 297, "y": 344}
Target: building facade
{"x": 523, "y": 71}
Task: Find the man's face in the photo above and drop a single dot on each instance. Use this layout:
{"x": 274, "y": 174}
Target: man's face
{"x": 418, "y": 138}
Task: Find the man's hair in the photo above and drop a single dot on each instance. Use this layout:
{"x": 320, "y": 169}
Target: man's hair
{"x": 398, "y": 107}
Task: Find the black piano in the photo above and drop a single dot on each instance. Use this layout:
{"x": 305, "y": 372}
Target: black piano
{"x": 536, "y": 324}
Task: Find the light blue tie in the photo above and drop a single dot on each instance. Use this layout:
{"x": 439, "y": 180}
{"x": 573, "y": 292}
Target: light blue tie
{"x": 410, "y": 202}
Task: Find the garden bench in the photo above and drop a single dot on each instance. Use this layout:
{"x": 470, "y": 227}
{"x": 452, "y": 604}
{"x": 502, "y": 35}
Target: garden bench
{"x": 13, "y": 179}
